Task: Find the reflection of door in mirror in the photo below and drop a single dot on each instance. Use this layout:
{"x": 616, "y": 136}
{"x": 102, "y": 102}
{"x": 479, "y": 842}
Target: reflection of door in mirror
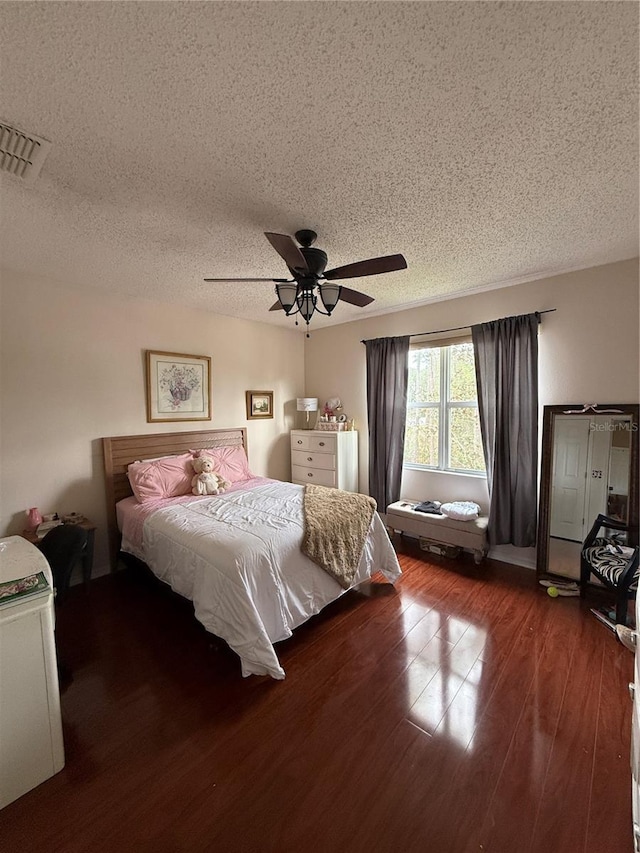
{"x": 568, "y": 481}
{"x": 590, "y": 475}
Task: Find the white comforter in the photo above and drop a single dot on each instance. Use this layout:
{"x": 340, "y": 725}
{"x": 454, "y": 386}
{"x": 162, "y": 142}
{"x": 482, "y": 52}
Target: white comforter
{"x": 237, "y": 557}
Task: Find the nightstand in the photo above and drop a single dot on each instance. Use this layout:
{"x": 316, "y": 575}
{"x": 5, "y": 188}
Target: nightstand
{"x": 87, "y": 557}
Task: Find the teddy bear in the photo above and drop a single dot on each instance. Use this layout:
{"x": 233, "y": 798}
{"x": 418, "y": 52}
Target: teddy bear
{"x": 205, "y": 480}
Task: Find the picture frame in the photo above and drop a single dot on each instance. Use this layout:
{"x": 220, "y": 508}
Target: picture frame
{"x": 178, "y": 387}
{"x": 259, "y": 404}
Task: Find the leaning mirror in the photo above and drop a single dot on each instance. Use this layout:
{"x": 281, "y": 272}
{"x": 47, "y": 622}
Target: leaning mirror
{"x": 589, "y": 466}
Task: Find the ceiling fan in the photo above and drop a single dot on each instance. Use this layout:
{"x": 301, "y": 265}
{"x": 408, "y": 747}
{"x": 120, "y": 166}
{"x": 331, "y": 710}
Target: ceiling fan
{"x": 299, "y": 295}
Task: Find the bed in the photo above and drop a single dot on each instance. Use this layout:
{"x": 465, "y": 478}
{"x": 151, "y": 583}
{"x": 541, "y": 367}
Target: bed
{"x": 236, "y": 556}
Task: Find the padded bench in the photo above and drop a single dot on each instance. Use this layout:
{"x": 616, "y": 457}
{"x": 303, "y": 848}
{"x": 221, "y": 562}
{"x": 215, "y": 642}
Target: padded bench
{"x": 469, "y": 535}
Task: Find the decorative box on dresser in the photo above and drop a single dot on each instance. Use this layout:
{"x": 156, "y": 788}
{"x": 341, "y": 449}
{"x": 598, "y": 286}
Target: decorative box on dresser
{"x": 325, "y": 458}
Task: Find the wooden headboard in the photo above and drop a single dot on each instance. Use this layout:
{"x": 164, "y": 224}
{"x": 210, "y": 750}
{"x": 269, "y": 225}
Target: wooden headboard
{"x": 121, "y": 450}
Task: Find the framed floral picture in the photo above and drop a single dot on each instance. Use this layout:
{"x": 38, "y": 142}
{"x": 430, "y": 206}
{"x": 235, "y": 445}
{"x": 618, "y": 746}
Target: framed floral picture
{"x": 259, "y": 404}
{"x": 178, "y": 387}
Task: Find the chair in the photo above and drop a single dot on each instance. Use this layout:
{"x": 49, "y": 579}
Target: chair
{"x": 62, "y": 547}
{"x": 617, "y": 569}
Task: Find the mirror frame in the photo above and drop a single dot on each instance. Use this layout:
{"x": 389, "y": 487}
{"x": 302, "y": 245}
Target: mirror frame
{"x": 546, "y": 464}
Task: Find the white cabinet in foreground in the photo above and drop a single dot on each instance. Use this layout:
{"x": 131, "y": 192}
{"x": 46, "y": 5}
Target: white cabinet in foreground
{"x": 31, "y": 746}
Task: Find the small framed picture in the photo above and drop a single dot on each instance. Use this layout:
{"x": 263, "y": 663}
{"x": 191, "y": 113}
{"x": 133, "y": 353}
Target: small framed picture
{"x": 259, "y": 404}
{"x": 178, "y": 387}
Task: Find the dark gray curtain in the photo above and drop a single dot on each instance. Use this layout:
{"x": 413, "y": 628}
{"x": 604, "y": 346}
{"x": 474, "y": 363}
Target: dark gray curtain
{"x": 387, "y": 373}
{"x": 506, "y": 357}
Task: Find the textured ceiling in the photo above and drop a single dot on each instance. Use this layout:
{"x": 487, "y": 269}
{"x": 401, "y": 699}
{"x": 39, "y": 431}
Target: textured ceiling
{"x": 487, "y": 142}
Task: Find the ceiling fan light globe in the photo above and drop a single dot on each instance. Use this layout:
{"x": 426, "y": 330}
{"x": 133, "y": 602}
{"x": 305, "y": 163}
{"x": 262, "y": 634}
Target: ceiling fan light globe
{"x": 306, "y": 304}
{"x": 329, "y": 294}
{"x": 287, "y": 294}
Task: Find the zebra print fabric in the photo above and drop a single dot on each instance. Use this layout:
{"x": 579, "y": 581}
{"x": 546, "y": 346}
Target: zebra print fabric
{"x": 607, "y": 564}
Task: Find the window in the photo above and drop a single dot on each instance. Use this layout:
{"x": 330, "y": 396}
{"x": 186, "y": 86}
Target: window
{"x": 443, "y": 427}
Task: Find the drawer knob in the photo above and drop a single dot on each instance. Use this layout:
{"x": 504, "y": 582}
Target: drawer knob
{"x": 322, "y": 444}
{"x": 311, "y": 475}
{"x": 299, "y": 441}
{"x": 309, "y": 458}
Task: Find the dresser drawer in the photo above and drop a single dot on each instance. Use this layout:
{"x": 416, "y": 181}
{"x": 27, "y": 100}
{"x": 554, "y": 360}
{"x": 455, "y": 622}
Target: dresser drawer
{"x": 309, "y": 459}
{"x": 320, "y": 477}
{"x": 316, "y": 443}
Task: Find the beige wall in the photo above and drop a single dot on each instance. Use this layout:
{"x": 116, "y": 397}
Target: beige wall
{"x": 72, "y": 371}
{"x": 588, "y": 353}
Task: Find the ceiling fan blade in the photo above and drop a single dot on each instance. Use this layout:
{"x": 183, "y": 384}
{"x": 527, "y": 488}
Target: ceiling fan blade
{"x": 276, "y": 280}
{"x": 288, "y": 251}
{"x": 276, "y": 306}
{"x": 354, "y": 297}
{"x": 374, "y": 266}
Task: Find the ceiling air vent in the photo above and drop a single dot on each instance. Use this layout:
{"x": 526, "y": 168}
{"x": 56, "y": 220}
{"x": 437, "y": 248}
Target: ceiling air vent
{"x": 21, "y": 154}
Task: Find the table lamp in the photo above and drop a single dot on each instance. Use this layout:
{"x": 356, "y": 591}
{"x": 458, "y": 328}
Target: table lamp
{"x": 307, "y": 404}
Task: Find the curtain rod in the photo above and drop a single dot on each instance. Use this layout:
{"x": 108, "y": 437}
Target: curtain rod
{"x": 460, "y": 328}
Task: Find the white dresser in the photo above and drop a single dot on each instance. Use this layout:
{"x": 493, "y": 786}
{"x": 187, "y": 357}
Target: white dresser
{"x": 31, "y": 747}
{"x": 325, "y": 458}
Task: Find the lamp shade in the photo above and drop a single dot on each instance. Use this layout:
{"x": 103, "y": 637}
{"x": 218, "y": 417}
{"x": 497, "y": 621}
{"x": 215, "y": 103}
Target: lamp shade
{"x": 330, "y": 293}
{"x": 287, "y": 295}
{"x": 306, "y": 303}
{"x": 307, "y": 404}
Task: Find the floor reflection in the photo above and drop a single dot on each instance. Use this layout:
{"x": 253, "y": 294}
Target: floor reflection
{"x": 564, "y": 557}
{"x": 444, "y": 676}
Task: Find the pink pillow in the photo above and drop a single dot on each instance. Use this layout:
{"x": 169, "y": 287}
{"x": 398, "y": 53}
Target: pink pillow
{"x": 230, "y": 462}
{"x": 161, "y": 478}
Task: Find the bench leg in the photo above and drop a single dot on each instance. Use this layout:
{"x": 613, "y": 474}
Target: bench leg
{"x": 478, "y": 557}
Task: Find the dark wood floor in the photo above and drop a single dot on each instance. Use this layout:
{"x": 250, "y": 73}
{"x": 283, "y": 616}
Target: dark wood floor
{"x": 462, "y": 711}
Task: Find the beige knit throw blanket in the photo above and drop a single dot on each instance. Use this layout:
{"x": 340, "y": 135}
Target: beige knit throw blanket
{"x": 336, "y": 524}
